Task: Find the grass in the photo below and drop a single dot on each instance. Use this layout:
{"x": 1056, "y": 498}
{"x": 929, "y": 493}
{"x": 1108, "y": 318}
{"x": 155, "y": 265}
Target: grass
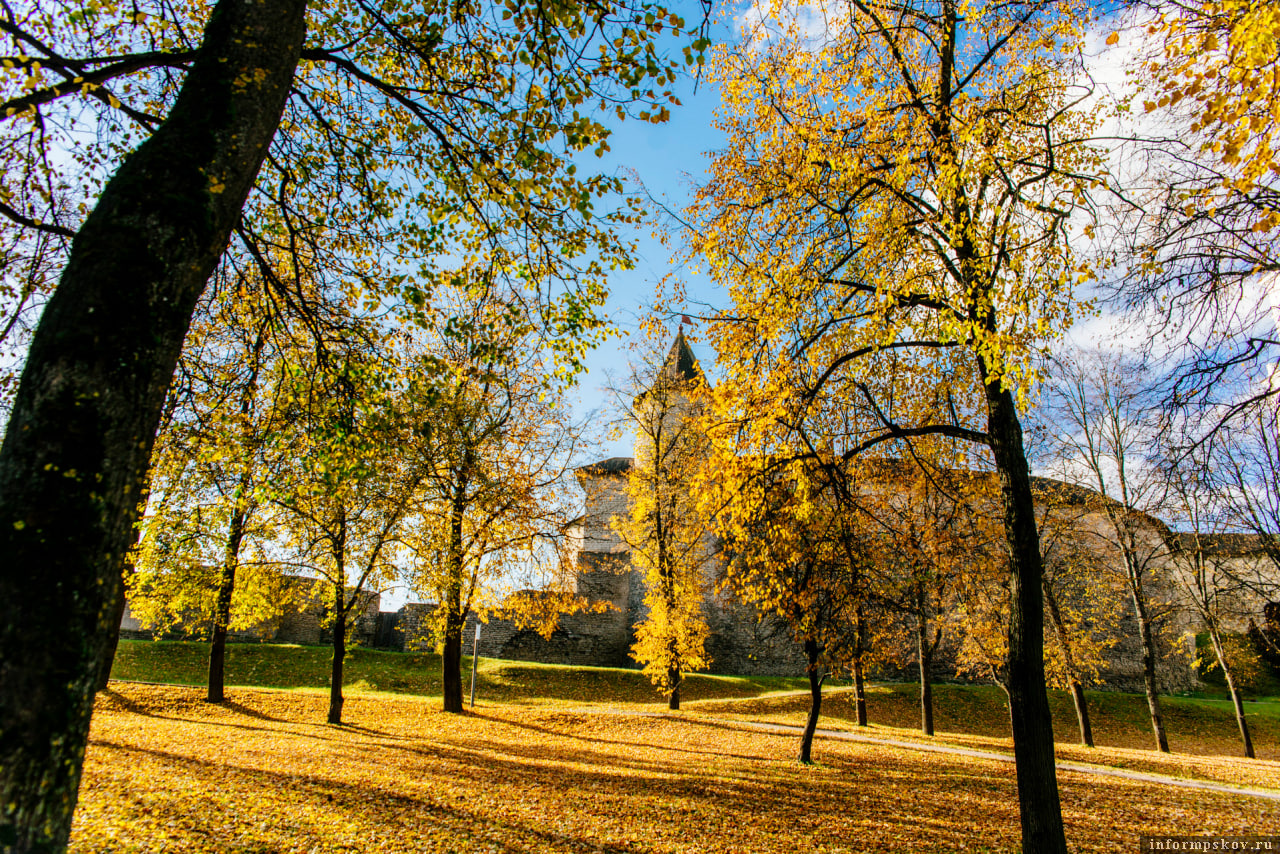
{"x": 167, "y": 772}
{"x": 290, "y": 666}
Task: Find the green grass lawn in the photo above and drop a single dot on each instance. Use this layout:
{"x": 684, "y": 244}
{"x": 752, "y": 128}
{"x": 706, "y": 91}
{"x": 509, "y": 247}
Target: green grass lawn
{"x": 291, "y": 666}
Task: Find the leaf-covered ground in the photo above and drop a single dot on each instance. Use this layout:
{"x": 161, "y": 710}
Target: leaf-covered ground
{"x": 167, "y": 772}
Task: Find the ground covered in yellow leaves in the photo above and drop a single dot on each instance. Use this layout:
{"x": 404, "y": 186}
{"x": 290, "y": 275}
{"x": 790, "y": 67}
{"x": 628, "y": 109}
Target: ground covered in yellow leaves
{"x": 167, "y": 772}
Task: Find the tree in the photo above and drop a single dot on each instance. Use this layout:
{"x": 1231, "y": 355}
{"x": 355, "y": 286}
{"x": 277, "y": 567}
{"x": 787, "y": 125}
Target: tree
{"x": 936, "y": 550}
{"x": 346, "y": 496}
{"x": 482, "y": 112}
{"x": 796, "y": 557}
{"x": 491, "y": 448}
{"x": 1078, "y": 600}
{"x": 211, "y": 462}
{"x": 1105, "y": 432}
{"x": 670, "y": 540}
{"x": 1199, "y": 223}
{"x": 902, "y": 181}
{"x": 1212, "y": 584}
{"x": 78, "y": 443}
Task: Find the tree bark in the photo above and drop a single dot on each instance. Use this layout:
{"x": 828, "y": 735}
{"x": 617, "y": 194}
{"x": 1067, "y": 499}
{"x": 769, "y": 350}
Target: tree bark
{"x": 78, "y": 442}
{"x": 1029, "y": 715}
{"x": 859, "y": 686}
{"x": 451, "y": 661}
{"x": 113, "y": 640}
{"x": 1146, "y": 633}
{"x": 455, "y": 616}
{"x": 222, "y": 611}
{"x": 1077, "y": 690}
{"x": 859, "y": 692}
{"x": 673, "y": 679}
{"x": 924, "y": 657}
{"x": 339, "y": 649}
{"x": 1236, "y": 700}
{"x": 812, "y": 651}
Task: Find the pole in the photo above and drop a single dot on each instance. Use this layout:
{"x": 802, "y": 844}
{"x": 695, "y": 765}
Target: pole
{"x": 475, "y": 657}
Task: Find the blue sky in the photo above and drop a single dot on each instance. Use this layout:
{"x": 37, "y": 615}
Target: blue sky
{"x": 669, "y": 160}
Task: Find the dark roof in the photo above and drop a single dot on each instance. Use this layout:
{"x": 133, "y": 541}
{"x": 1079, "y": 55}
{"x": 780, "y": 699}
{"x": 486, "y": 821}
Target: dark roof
{"x": 613, "y": 465}
{"x": 680, "y": 363}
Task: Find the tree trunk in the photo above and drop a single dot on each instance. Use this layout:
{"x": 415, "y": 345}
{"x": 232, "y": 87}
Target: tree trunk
{"x": 339, "y": 650}
{"x": 1236, "y": 699}
{"x": 1149, "y": 671}
{"x": 451, "y": 661}
{"x": 859, "y": 692}
{"x": 812, "y": 652}
{"x": 1032, "y": 725}
{"x": 673, "y": 679}
{"x": 859, "y": 687}
{"x": 83, "y": 422}
{"x": 924, "y": 656}
{"x": 455, "y": 616}
{"x": 113, "y": 640}
{"x": 222, "y": 611}
{"x": 1077, "y": 690}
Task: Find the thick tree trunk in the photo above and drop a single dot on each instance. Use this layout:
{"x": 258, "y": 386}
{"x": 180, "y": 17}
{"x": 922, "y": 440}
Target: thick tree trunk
{"x": 78, "y": 442}
{"x": 222, "y": 611}
{"x": 1077, "y": 690}
{"x": 1041, "y": 809}
{"x": 1236, "y": 700}
{"x": 674, "y": 679}
{"x": 339, "y": 650}
{"x": 812, "y": 652}
{"x": 1147, "y": 634}
{"x": 451, "y": 661}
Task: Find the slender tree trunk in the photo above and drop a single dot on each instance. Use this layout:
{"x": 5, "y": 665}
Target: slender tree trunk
{"x": 812, "y": 651}
{"x": 222, "y": 611}
{"x": 1236, "y": 700}
{"x": 674, "y": 679}
{"x": 339, "y": 650}
{"x": 83, "y": 422}
{"x": 924, "y": 655}
{"x": 1077, "y": 690}
{"x": 455, "y": 616}
{"x": 1032, "y": 724}
{"x": 859, "y": 686}
{"x": 1147, "y": 635}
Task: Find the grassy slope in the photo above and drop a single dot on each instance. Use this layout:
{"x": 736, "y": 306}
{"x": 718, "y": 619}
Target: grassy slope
{"x": 283, "y": 666}
{"x": 972, "y": 714}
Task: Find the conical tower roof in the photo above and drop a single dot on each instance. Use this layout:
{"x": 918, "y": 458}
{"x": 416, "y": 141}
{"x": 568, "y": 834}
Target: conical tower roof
{"x": 681, "y": 365}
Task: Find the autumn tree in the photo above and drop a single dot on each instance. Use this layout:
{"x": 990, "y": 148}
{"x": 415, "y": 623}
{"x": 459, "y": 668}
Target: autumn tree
{"x": 469, "y": 118}
{"x": 1078, "y": 597}
{"x": 346, "y": 495}
{"x": 490, "y": 448}
{"x": 670, "y": 540}
{"x": 1105, "y": 430}
{"x": 212, "y": 459}
{"x": 1200, "y": 219}
{"x": 795, "y": 556}
{"x": 902, "y": 179}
